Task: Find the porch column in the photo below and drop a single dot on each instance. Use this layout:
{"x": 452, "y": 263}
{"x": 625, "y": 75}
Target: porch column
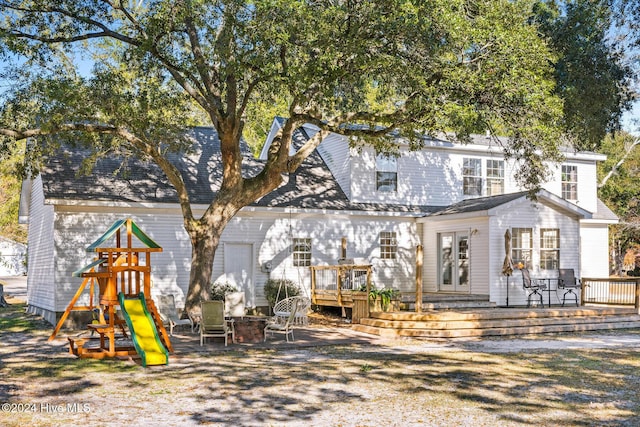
{"x": 419, "y": 279}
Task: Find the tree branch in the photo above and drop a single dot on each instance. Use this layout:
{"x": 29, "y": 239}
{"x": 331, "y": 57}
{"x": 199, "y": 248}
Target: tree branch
{"x": 198, "y": 56}
{"x": 296, "y": 160}
{"x": 617, "y": 166}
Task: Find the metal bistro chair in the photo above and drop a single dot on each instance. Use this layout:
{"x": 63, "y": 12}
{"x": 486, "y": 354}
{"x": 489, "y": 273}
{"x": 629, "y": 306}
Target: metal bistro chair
{"x": 568, "y": 282}
{"x": 532, "y": 286}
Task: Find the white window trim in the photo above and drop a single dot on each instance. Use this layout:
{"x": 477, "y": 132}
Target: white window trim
{"x": 483, "y": 176}
{"x": 386, "y": 164}
{"x": 301, "y": 258}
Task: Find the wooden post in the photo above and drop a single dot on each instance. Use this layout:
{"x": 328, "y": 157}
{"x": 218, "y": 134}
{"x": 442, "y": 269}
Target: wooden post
{"x": 368, "y": 289}
{"x": 313, "y": 285}
{"x": 419, "y": 258}
{"x": 339, "y": 285}
{"x": 637, "y": 299}
{"x": 343, "y": 253}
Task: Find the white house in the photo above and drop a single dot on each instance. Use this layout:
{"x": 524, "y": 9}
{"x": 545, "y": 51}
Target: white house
{"x": 13, "y": 257}
{"x": 455, "y": 200}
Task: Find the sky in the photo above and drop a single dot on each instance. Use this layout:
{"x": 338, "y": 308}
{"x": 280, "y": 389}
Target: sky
{"x": 630, "y": 117}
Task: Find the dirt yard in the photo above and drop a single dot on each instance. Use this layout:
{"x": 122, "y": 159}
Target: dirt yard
{"x": 561, "y": 380}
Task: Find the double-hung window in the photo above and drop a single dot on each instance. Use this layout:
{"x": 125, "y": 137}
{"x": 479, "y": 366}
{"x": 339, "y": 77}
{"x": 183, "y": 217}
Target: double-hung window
{"x": 549, "y": 248}
{"x": 495, "y": 177}
{"x": 386, "y": 172}
{"x": 472, "y": 177}
{"x": 569, "y": 182}
{"x": 522, "y": 246}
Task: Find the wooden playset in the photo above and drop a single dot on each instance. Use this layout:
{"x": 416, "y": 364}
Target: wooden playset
{"x": 123, "y": 278}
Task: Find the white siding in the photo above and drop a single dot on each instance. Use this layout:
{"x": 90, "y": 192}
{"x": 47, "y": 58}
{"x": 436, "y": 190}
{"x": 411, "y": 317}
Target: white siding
{"x": 271, "y": 234}
{"x": 595, "y": 250}
{"x": 273, "y": 131}
{"x": 587, "y": 183}
{"x": 526, "y": 214}
{"x": 41, "y": 286}
{"x": 275, "y": 235}
{"x": 487, "y": 251}
{"x": 12, "y": 257}
{"x": 433, "y": 175}
{"x": 479, "y": 265}
{"x": 425, "y": 177}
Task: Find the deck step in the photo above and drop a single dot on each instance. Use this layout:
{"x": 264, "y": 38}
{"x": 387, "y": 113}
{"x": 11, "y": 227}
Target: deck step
{"x": 449, "y": 301}
{"x": 453, "y": 305}
{"x": 495, "y": 322}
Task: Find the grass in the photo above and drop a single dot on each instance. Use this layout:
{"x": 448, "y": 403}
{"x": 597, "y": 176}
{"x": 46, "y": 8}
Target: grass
{"x": 14, "y": 319}
{"x": 357, "y": 385}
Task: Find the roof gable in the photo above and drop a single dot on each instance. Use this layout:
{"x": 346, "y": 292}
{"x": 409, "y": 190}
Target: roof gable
{"x": 489, "y": 205}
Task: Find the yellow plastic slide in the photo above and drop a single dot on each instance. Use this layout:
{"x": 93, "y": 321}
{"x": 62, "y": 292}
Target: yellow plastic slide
{"x": 143, "y": 330}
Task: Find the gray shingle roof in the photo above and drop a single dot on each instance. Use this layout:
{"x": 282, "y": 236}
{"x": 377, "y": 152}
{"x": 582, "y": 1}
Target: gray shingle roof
{"x": 479, "y": 204}
{"x": 115, "y": 179}
{"x": 312, "y": 186}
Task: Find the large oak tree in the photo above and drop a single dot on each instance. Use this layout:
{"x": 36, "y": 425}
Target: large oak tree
{"x": 356, "y": 67}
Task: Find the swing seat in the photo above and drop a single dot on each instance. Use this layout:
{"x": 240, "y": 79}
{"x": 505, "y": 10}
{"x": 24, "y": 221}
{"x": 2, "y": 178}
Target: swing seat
{"x": 283, "y": 309}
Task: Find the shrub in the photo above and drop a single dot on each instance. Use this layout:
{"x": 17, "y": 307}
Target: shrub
{"x": 220, "y": 289}
{"x": 288, "y": 288}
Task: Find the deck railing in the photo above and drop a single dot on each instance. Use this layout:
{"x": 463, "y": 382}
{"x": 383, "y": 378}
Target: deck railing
{"x": 612, "y": 291}
{"x": 340, "y": 278}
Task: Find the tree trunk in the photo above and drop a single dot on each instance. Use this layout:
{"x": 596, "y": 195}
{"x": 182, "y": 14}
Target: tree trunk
{"x": 3, "y": 302}
{"x": 203, "y": 250}
{"x": 235, "y": 192}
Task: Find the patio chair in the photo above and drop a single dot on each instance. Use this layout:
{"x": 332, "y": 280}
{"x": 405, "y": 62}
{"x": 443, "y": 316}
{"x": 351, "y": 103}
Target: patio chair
{"x": 282, "y": 309}
{"x": 213, "y": 323}
{"x": 532, "y": 286}
{"x": 169, "y": 314}
{"x": 568, "y": 282}
{"x": 286, "y": 328}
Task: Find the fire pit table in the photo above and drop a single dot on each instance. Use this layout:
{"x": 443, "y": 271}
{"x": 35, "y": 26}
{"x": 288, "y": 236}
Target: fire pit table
{"x": 249, "y": 329}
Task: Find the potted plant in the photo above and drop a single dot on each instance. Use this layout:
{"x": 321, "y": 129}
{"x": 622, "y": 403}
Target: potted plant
{"x": 384, "y": 299}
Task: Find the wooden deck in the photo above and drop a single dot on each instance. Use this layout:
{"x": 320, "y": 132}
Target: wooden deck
{"x": 498, "y": 321}
{"x": 442, "y": 315}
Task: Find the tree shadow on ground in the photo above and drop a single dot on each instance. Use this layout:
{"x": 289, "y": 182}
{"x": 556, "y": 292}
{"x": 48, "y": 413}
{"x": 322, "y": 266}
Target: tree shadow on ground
{"x": 285, "y": 384}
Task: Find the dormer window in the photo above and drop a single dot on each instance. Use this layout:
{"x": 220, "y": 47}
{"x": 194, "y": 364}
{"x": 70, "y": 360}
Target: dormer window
{"x": 386, "y": 172}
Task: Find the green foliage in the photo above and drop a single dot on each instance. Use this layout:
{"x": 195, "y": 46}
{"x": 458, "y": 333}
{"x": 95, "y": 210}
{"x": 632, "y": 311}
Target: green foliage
{"x": 372, "y": 71}
{"x": 279, "y": 289}
{"x": 220, "y": 289}
{"x": 386, "y": 295}
{"x": 411, "y": 67}
{"x": 592, "y": 73}
{"x": 621, "y": 192}
{"x": 10, "y": 185}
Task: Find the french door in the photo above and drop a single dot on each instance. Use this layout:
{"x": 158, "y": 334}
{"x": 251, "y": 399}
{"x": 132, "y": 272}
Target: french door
{"x": 453, "y": 261}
